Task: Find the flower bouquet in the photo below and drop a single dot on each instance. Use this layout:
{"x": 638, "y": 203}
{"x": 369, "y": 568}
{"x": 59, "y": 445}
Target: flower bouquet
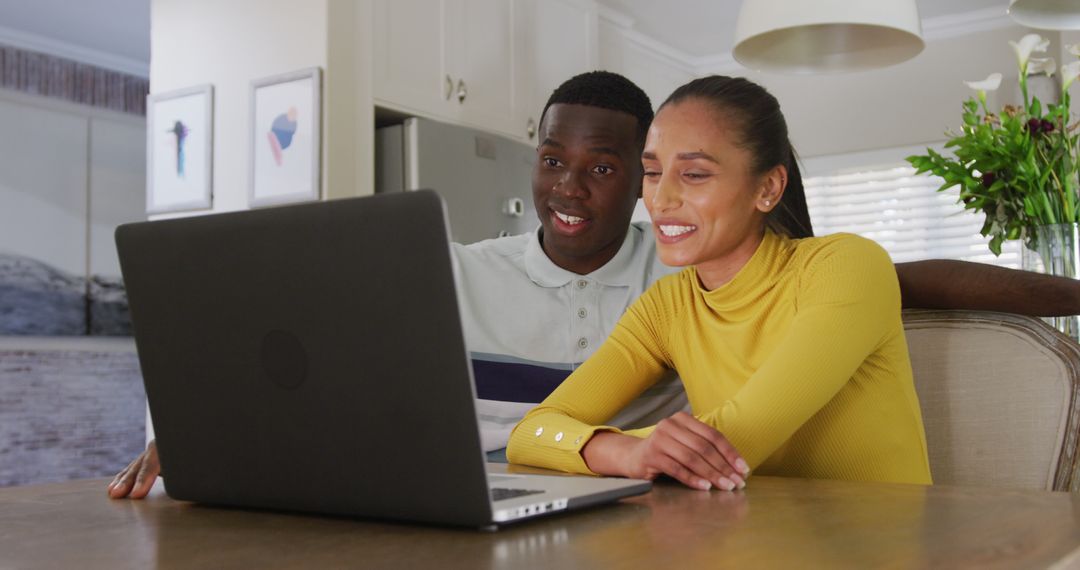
{"x": 1018, "y": 166}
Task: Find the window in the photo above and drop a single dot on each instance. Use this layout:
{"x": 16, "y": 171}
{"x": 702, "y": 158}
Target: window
{"x": 904, "y": 213}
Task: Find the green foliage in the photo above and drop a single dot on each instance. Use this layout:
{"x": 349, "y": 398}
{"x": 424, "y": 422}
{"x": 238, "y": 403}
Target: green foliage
{"x": 1018, "y": 168}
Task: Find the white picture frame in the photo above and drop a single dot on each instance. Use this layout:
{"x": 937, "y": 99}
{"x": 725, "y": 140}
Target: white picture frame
{"x": 180, "y": 150}
{"x": 286, "y": 138}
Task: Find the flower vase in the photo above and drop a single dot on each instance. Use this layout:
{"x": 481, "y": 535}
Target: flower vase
{"x": 1056, "y": 253}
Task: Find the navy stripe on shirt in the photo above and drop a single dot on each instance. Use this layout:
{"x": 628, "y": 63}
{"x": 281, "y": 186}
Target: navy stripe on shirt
{"x": 515, "y": 381}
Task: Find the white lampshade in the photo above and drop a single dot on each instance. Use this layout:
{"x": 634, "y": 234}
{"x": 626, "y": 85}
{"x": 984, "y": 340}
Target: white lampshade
{"x": 799, "y": 36}
{"x": 1046, "y": 14}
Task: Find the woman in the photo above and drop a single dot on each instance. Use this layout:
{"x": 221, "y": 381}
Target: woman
{"x": 791, "y": 350}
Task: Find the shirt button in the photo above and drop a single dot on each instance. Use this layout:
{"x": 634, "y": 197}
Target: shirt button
{"x": 581, "y": 284}
{"x": 582, "y": 313}
{"x": 578, "y": 440}
{"x": 539, "y": 431}
{"x": 583, "y": 343}
{"x": 558, "y": 436}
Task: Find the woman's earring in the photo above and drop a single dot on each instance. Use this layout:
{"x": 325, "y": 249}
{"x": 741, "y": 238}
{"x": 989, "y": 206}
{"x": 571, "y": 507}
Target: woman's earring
{"x": 768, "y": 202}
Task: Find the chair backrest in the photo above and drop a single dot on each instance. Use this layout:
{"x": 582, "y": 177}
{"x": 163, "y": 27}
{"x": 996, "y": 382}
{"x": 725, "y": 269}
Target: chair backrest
{"x": 999, "y": 396}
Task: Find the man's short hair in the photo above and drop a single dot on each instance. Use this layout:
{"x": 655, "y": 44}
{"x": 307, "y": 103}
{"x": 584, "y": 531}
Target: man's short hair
{"x": 605, "y": 90}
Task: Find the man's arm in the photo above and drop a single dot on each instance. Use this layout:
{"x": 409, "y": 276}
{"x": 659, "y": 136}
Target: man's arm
{"x": 946, "y": 284}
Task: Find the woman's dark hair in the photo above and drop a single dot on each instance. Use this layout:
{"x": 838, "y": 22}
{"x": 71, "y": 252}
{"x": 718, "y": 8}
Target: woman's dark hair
{"x": 761, "y": 129}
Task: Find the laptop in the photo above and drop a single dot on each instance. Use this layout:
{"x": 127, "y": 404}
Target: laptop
{"x": 311, "y": 358}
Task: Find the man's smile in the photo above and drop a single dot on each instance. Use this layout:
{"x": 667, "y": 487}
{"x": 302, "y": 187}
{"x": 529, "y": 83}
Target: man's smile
{"x": 567, "y": 223}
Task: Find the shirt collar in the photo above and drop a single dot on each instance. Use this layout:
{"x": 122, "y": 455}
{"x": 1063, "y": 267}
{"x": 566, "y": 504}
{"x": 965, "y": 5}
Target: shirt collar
{"x": 618, "y": 272}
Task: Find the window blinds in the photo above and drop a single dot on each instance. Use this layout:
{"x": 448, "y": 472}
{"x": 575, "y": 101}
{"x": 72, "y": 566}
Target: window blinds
{"x": 904, "y": 213}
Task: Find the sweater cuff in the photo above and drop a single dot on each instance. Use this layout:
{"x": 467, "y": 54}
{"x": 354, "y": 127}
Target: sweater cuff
{"x": 640, "y": 433}
{"x": 553, "y": 441}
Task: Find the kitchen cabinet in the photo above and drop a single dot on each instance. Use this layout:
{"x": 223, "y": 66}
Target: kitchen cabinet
{"x": 557, "y": 40}
{"x": 481, "y": 55}
{"x": 448, "y": 59}
{"x": 409, "y": 62}
{"x": 623, "y": 51}
{"x": 492, "y": 64}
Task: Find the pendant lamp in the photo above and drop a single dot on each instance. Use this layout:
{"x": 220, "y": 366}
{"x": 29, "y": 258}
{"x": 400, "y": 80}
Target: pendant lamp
{"x": 1046, "y": 14}
{"x": 800, "y": 36}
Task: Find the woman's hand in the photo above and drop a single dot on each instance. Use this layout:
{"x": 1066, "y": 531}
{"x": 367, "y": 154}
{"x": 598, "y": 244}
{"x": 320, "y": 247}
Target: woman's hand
{"x": 680, "y": 446}
{"x": 138, "y": 477}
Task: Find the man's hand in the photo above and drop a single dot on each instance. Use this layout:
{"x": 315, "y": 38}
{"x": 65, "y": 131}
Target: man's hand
{"x": 135, "y": 480}
{"x": 681, "y": 446}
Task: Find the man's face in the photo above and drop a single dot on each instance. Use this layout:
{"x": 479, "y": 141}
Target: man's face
{"x": 586, "y": 182}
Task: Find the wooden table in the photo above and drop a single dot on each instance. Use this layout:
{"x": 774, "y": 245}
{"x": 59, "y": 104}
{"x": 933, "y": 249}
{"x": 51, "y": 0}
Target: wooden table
{"x": 774, "y": 523}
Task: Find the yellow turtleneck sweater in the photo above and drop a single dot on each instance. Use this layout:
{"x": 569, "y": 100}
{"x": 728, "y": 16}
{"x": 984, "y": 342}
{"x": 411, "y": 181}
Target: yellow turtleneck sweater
{"x": 800, "y": 361}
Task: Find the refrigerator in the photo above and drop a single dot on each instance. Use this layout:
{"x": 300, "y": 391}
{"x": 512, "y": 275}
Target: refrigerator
{"x": 485, "y": 179}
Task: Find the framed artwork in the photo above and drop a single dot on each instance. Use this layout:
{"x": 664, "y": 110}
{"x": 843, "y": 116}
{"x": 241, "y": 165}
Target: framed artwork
{"x": 286, "y": 138}
{"x": 180, "y": 150}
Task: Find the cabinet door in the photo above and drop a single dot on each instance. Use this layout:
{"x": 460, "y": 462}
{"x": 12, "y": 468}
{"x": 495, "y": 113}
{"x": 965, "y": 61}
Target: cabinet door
{"x": 481, "y": 53}
{"x": 657, "y": 75}
{"x": 411, "y": 71}
{"x": 558, "y": 41}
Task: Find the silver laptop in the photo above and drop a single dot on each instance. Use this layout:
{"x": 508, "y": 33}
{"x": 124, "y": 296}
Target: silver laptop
{"x": 311, "y": 358}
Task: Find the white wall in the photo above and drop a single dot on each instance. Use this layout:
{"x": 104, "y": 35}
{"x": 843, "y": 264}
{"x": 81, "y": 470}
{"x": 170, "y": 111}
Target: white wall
{"x": 908, "y": 104}
{"x": 228, "y": 44}
{"x": 1063, "y": 57}
{"x": 913, "y": 103}
{"x": 349, "y": 104}
{"x": 932, "y": 105}
{"x": 846, "y": 120}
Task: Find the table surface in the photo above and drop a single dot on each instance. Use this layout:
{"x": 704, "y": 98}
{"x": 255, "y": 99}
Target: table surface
{"x": 775, "y": 522}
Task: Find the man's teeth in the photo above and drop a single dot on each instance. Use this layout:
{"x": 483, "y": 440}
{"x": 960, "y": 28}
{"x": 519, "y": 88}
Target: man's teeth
{"x": 572, "y": 220}
{"x": 672, "y": 231}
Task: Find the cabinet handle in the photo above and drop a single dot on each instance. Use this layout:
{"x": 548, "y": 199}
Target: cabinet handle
{"x": 462, "y": 91}
{"x": 530, "y": 128}
{"x": 449, "y": 88}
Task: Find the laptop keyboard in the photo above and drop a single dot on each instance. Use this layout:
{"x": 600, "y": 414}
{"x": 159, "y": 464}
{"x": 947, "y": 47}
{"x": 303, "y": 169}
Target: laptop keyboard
{"x": 502, "y": 494}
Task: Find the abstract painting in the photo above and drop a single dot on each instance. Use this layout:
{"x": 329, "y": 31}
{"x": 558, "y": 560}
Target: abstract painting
{"x": 180, "y": 141}
{"x": 286, "y": 138}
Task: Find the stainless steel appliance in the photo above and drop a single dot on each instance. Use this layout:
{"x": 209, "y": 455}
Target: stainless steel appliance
{"x": 485, "y": 179}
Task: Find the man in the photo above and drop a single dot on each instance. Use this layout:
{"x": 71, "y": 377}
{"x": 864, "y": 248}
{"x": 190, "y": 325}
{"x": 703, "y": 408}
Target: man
{"x": 535, "y": 306}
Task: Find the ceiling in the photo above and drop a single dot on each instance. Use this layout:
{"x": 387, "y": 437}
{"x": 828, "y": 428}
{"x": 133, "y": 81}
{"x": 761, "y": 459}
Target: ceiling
{"x": 121, "y": 28}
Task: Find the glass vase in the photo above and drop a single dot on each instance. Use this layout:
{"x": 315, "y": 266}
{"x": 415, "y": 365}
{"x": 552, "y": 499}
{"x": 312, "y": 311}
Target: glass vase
{"x": 1056, "y": 253}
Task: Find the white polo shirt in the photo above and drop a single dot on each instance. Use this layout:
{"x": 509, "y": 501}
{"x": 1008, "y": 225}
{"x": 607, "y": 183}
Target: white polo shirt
{"x": 529, "y": 323}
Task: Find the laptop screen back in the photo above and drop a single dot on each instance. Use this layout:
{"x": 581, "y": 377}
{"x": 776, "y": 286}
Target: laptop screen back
{"x": 309, "y": 357}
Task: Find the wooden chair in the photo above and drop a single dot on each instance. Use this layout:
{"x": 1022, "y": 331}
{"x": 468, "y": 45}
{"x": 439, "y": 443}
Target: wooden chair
{"x": 1000, "y": 397}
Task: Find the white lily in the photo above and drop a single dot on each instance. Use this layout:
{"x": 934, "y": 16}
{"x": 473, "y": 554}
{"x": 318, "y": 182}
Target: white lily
{"x": 1073, "y": 49}
{"x": 1069, "y": 73}
{"x": 1026, "y": 46}
{"x": 991, "y": 83}
{"x": 1039, "y": 65}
